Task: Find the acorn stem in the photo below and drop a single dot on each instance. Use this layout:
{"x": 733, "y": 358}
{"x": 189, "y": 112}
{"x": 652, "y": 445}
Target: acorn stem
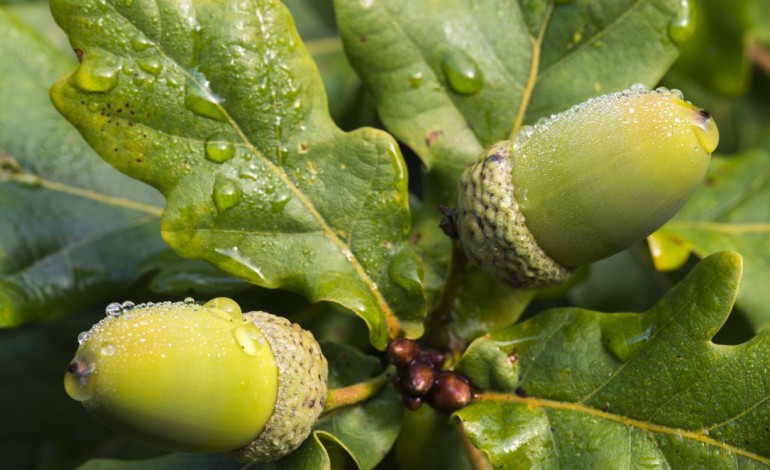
{"x": 436, "y": 333}
{"x": 359, "y": 392}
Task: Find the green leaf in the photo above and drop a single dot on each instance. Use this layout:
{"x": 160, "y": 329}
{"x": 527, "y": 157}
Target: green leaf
{"x": 601, "y": 390}
{"x": 220, "y": 106}
{"x": 367, "y": 430}
{"x": 453, "y": 83}
{"x": 75, "y": 232}
{"x": 729, "y": 212}
{"x": 720, "y": 36}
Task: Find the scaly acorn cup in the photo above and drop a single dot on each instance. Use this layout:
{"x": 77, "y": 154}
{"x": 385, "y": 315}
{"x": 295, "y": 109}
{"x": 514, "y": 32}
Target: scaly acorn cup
{"x": 188, "y": 377}
{"x": 582, "y": 185}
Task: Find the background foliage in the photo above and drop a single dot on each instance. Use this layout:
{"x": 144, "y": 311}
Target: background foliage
{"x": 440, "y": 84}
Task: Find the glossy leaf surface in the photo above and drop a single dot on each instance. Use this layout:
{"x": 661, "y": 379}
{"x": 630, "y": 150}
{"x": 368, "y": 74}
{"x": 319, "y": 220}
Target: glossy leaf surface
{"x": 451, "y": 84}
{"x": 221, "y": 108}
{"x": 729, "y": 212}
{"x": 601, "y": 390}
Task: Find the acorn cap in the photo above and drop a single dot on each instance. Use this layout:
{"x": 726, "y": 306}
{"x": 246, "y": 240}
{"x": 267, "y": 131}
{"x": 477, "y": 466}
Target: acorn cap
{"x": 492, "y": 228}
{"x": 583, "y": 184}
{"x": 188, "y": 377}
{"x": 303, "y": 372}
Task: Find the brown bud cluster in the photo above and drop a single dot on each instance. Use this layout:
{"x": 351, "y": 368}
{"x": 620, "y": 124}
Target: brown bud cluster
{"x": 420, "y": 378}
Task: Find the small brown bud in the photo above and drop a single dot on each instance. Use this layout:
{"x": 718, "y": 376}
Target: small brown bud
{"x": 450, "y": 392}
{"x": 436, "y": 358}
{"x": 419, "y": 377}
{"x": 403, "y": 351}
{"x": 410, "y": 402}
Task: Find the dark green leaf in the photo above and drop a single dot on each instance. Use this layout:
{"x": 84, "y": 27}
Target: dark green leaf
{"x": 75, "y": 232}
{"x": 428, "y": 440}
{"x": 602, "y": 390}
{"x": 221, "y": 108}
{"x": 167, "y": 462}
{"x": 729, "y": 212}
{"x": 451, "y": 84}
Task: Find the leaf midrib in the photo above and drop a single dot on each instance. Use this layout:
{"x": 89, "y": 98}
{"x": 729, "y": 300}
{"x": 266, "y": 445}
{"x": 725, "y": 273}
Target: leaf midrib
{"x": 391, "y": 319}
{"x": 698, "y": 436}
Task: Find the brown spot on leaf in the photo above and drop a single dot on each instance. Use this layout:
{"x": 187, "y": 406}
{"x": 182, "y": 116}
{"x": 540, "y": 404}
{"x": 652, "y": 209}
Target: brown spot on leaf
{"x": 432, "y": 137}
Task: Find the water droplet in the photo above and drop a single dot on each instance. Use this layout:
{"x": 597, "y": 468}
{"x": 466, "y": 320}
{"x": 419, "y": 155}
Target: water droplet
{"x": 127, "y": 305}
{"x": 82, "y": 337}
{"x": 151, "y": 65}
{"x": 250, "y": 339}
{"x": 201, "y": 100}
{"x": 682, "y": 26}
{"x": 114, "y": 309}
{"x": 415, "y": 79}
{"x": 226, "y": 193}
{"x": 706, "y": 130}
{"x": 189, "y": 300}
{"x": 107, "y": 349}
{"x": 638, "y": 88}
{"x": 95, "y": 75}
{"x": 280, "y": 199}
{"x": 218, "y": 149}
{"x": 462, "y": 73}
{"x": 226, "y": 305}
{"x": 77, "y": 379}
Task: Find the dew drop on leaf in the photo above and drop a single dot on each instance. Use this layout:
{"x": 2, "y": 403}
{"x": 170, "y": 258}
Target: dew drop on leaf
{"x": 280, "y": 199}
{"x": 415, "y": 79}
{"x": 226, "y": 193}
{"x": 150, "y": 65}
{"x": 681, "y": 27}
{"x": 218, "y": 149}
{"x": 462, "y": 73}
{"x": 95, "y": 75}
{"x": 201, "y": 100}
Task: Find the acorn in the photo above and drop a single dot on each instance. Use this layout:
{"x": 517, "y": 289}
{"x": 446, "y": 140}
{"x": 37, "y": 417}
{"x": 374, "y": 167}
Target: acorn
{"x": 201, "y": 378}
{"x": 582, "y": 185}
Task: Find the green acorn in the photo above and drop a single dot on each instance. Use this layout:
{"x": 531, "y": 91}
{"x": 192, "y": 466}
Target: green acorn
{"x": 583, "y": 184}
{"x": 189, "y": 377}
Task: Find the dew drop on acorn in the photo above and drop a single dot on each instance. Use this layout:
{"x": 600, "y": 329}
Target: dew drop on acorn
{"x": 114, "y": 309}
{"x": 226, "y": 194}
{"x": 107, "y": 349}
{"x": 79, "y": 381}
{"x": 219, "y": 149}
{"x": 462, "y": 73}
{"x": 249, "y": 338}
{"x": 226, "y": 305}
